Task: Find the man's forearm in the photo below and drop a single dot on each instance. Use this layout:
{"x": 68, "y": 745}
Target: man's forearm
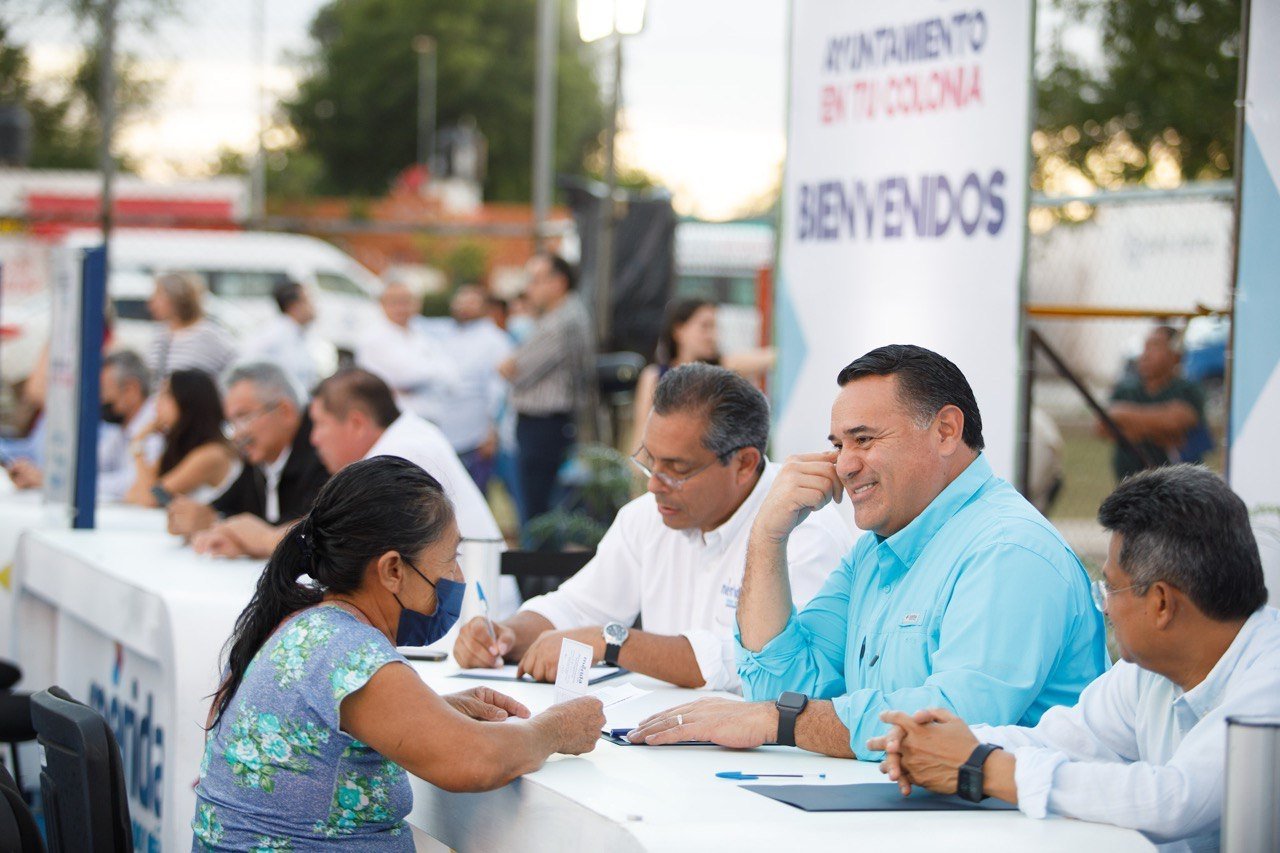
{"x": 528, "y": 625}
{"x": 820, "y": 729}
{"x": 764, "y": 603}
{"x": 665, "y": 658}
{"x": 998, "y": 776}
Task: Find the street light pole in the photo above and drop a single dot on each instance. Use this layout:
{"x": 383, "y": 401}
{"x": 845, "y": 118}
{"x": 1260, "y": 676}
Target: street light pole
{"x": 258, "y": 183}
{"x": 608, "y": 219}
{"x": 425, "y": 47}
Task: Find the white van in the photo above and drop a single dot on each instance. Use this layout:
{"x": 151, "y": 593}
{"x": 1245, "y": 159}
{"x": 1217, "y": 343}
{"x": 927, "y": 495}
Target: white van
{"x": 241, "y": 269}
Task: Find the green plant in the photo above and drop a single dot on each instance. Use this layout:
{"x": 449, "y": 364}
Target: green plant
{"x": 599, "y": 484}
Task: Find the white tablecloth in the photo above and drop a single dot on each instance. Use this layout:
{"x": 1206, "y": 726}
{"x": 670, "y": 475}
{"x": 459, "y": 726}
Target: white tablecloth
{"x": 132, "y": 624}
{"x": 622, "y": 798}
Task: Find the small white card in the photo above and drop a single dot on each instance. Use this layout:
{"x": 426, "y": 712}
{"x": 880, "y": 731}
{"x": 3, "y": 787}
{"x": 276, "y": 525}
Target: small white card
{"x": 573, "y": 671}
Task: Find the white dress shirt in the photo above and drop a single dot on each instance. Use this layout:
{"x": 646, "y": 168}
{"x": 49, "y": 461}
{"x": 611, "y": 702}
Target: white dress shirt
{"x": 419, "y": 370}
{"x": 117, "y": 468}
{"x": 471, "y": 405}
{"x": 273, "y": 471}
{"x": 283, "y": 342}
{"x": 422, "y": 443}
{"x": 686, "y": 582}
{"x": 1138, "y": 752}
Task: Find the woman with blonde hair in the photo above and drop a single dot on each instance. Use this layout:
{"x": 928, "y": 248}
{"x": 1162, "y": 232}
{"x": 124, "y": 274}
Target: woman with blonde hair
{"x": 186, "y": 338}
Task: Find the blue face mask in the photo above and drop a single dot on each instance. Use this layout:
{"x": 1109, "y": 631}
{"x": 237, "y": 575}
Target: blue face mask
{"x": 422, "y": 629}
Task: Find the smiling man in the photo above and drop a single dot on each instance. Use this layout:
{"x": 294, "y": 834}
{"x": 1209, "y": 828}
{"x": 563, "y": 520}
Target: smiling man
{"x": 675, "y": 556}
{"x": 960, "y": 595}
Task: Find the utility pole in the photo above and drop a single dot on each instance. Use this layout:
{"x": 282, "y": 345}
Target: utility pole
{"x": 544, "y": 116}
{"x": 106, "y": 109}
{"x": 258, "y": 181}
{"x": 425, "y": 47}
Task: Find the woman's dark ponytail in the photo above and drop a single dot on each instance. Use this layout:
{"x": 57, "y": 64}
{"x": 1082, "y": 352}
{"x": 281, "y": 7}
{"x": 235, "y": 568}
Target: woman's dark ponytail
{"x": 277, "y": 596}
{"x": 366, "y": 509}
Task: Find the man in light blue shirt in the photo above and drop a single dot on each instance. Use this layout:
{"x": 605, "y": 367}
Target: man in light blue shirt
{"x": 960, "y": 596}
{"x": 1145, "y": 748}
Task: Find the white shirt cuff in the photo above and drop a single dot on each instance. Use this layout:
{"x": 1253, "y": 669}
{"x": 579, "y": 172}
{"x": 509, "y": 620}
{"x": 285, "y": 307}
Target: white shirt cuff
{"x": 715, "y": 658}
{"x": 1033, "y": 774}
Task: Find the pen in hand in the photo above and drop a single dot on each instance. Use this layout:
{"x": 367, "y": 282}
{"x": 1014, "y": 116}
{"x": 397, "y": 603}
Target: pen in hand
{"x": 488, "y": 623}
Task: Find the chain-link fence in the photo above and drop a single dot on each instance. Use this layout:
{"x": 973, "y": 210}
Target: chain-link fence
{"x": 1103, "y": 271}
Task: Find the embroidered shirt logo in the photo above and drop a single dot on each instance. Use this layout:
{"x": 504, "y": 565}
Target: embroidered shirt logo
{"x": 910, "y": 619}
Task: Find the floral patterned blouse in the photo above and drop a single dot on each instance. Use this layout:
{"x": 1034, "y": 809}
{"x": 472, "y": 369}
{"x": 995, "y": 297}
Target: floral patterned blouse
{"x": 277, "y": 773}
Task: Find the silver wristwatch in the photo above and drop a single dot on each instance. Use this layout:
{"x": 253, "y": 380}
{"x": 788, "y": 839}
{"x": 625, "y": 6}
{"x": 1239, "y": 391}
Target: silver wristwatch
{"x": 615, "y": 634}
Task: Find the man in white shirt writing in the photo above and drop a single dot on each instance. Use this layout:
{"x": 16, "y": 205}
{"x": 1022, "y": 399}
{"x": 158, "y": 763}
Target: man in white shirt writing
{"x": 1145, "y": 746}
{"x": 675, "y": 556}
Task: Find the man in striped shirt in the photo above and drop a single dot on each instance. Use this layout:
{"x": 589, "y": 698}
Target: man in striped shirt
{"x": 548, "y": 376}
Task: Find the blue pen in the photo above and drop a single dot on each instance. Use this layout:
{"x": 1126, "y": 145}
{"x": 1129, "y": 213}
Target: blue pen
{"x": 739, "y": 776}
{"x": 487, "y": 623}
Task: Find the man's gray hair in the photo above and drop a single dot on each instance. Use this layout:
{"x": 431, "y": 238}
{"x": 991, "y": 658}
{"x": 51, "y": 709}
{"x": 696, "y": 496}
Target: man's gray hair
{"x": 737, "y": 412}
{"x": 129, "y": 367}
{"x": 270, "y": 380}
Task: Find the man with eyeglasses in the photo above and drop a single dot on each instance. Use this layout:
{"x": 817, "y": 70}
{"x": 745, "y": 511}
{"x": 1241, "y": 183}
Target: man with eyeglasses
{"x": 959, "y": 595}
{"x": 675, "y": 556}
{"x": 1145, "y": 746}
{"x": 270, "y": 428}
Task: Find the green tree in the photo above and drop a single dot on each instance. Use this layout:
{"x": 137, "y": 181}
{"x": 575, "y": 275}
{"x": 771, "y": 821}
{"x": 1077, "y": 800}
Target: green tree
{"x": 357, "y": 107}
{"x": 1166, "y": 87}
{"x": 64, "y": 119}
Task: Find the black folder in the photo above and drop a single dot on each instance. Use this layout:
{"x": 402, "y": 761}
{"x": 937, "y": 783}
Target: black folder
{"x": 870, "y": 797}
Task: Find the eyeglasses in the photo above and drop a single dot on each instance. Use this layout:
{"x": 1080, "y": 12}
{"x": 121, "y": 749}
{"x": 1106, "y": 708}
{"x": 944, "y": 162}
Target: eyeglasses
{"x": 1102, "y": 592}
{"x": 675, "y": 484}
{"x": 241, "y": 423}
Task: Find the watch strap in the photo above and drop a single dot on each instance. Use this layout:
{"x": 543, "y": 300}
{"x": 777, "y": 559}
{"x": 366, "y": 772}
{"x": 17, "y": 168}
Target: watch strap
{"x": 972, "y": 769}
{"x": 787, "y": 715}
{"x": 611, "y": 652}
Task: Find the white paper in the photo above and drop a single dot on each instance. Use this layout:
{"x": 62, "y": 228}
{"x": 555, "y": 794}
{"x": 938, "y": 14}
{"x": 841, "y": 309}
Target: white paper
{"x": 573, "y": 672}
{"x": 618, "y": 693}
{"x": 507, "y": 672}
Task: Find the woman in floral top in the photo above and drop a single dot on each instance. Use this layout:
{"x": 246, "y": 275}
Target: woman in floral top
{"x": 312, "y": 730}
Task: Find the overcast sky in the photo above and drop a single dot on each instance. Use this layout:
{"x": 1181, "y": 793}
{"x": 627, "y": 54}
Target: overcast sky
{"x": 704, "y": 88}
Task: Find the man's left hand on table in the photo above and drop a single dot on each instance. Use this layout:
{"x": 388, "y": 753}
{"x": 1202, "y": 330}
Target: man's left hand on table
{"x": 727, "y": 722}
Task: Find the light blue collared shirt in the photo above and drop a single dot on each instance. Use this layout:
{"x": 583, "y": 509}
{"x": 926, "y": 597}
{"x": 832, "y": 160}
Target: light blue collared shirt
{"x": 977, "y": 605}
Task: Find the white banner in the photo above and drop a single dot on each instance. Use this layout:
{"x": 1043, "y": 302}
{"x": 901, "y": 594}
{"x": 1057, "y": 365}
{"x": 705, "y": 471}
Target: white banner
{"x": 1255, "y": 374}
{"x": 904, "y": 201}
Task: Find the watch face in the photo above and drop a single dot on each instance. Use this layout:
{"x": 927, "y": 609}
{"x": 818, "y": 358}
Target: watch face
{"x": 615, "y": 633}
{"x": 792, "y": 701}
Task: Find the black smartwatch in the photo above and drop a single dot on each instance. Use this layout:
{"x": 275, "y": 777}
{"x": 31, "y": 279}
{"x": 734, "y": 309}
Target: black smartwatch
{"x": 969, "y": 785}
{"x": 789, "y": 706}
{"x": 615, "y": 634}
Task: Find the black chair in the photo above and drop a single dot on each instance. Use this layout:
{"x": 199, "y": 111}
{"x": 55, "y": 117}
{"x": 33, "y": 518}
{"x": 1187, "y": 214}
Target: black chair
{"x": 86, "y": 808}
{"x": 538, "y": 572}
{"x": 18, "y": 828}
{"x": 15, "y": 716}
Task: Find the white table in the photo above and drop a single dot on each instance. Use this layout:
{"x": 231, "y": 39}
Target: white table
{"x": 623, "y": 798}
{"x": 132, "y": 623}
